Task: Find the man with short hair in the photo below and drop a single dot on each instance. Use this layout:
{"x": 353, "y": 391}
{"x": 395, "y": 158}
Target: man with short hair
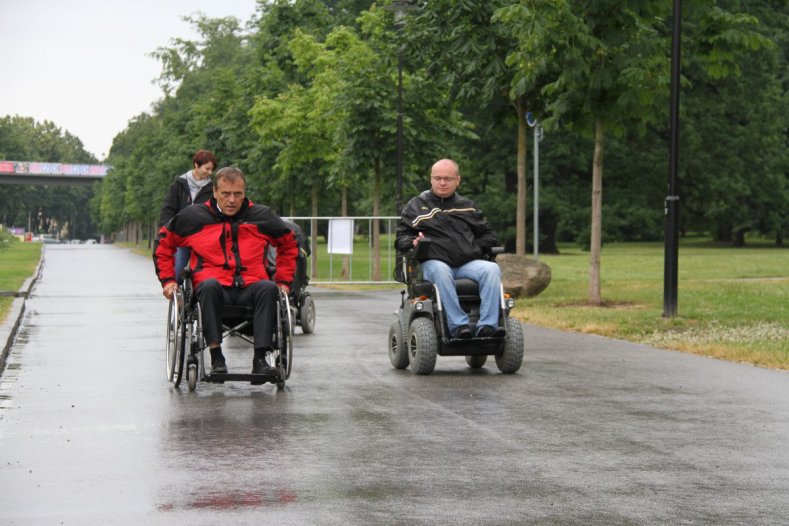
{"x": 460, "y": 236}
{"x": 228, "y": 236}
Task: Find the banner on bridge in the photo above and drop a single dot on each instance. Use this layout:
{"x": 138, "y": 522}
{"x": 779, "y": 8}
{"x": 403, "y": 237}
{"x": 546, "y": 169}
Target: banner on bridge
{"x": 39, "y": 168}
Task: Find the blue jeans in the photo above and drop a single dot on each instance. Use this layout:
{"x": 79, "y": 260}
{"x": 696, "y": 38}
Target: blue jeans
{"x": 181, "y": 260}
{"x": 486, "y": 273}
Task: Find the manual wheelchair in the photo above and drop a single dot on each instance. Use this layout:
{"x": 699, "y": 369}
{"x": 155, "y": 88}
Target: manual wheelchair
{"x": 420, "y": 332}
{"x": 186, "y": 348}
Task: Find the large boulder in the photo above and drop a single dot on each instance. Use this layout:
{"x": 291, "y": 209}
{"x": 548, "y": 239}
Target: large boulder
{"x": 523, "y": 276}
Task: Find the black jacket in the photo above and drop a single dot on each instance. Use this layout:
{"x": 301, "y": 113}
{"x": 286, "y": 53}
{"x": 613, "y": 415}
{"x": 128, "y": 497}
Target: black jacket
{"x": 457, "y": 228}
{"x": 178, "y": 197}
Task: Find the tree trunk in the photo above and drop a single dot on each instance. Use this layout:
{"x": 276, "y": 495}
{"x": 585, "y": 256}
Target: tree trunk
{"x": 376, "y": 228}
{"x": 520, "y": 213}
{"x": 738, "y": 237}
{"x": 595, "y": 297}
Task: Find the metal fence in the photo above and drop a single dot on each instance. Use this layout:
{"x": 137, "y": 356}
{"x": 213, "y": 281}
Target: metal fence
{"x": 355, "y": 249}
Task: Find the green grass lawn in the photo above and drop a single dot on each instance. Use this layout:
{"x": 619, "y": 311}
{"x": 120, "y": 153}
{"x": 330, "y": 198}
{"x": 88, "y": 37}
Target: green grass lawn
{"x": 18, "y": 262}
{"x": 733, "y": 303}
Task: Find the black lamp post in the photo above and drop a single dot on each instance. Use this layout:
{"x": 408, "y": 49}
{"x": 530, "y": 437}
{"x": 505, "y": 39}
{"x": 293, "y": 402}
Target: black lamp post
{"x": 399, "y": 7}
{"x": 670, "y": 265}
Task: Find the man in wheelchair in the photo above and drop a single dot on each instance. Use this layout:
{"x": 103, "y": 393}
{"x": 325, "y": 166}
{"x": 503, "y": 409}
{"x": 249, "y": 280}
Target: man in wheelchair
{"x": 459, "y": 239}
{"x": 228, "y": 237}
{"x": 455, "y": 304}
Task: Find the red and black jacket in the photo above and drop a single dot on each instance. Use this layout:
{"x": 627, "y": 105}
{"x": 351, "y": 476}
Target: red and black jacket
{"x": 230, "y": 249}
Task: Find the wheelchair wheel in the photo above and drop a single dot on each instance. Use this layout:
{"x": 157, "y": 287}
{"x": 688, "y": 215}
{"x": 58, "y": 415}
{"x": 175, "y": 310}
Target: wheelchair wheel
{"x": 307, "y": 315}
{"x": 398, "y": 348}
{"x": 191, "y": 376}
{"x": 422, "y": 346}
{"x": 285, "y": 336}
{"x": 200, "y": 343}
{"x": 171, "y": 343}
{"x": 510, "y": 358}
{"x": 176, "y": 339}
{"x": 477, "y": 360}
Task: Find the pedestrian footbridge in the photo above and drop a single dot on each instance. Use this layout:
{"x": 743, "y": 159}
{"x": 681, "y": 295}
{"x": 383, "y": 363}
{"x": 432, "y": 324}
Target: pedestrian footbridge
{"x": 34, "y": 172}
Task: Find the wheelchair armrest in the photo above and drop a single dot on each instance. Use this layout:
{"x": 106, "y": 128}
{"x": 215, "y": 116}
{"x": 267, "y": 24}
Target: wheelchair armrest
{"x": 419, "y": 252}
{"x": 490, "y": 253}
{"x": 407, "y": 269}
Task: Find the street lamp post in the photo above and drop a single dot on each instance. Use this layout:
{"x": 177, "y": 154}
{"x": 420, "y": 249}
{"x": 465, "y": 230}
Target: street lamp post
{"x": 399, "y": 7}
{"x": 670, "y": 265}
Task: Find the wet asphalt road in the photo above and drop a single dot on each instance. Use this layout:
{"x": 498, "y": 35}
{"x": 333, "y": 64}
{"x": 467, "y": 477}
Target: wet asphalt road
{"x": 590, "y": 431}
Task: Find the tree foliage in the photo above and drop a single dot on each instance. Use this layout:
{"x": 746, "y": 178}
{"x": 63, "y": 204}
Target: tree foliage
{"x": 303, "y": 98}
{"x": 57, "y": 210}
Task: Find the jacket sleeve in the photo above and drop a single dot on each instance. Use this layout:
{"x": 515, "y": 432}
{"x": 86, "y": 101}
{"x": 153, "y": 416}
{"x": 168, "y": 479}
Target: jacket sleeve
{"x": 485, "y": 237}
{"x": 405, "y": 233}
{"x": 164, "y": 247}
{"x": 287, "y": 252}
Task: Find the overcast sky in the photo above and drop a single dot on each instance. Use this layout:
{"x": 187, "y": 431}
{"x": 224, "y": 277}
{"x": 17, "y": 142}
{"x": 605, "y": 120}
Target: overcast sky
{"x": 83, "y": 64}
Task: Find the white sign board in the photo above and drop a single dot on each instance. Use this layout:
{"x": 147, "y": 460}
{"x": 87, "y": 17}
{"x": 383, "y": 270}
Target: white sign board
{"x": 341, "y": 236}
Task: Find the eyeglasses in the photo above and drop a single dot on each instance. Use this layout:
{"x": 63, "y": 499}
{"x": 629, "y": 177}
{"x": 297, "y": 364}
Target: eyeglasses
{"x": 443, "y": 179}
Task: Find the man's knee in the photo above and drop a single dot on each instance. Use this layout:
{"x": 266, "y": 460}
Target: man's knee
{"x": 436, "y": 271}
{"x": 209, "y": 287}
{"x": 492, "y": 271}
{"x": 264, "y": 290}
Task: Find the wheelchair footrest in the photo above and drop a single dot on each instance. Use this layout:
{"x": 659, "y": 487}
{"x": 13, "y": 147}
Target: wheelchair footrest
{"x": 242, "y": 377}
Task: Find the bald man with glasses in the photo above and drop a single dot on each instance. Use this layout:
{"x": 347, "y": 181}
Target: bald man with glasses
{"x": 460, "y": 238}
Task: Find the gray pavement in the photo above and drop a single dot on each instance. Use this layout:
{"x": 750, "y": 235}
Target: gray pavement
{"x": 590, "y": 431}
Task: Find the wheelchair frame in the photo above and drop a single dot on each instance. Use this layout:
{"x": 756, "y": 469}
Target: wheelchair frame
{"x": 420, "y": 332}
{"x": 185, "y": 344}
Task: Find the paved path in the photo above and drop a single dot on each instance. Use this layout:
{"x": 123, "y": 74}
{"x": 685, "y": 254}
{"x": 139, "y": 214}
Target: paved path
{"x": 590, "y": 431}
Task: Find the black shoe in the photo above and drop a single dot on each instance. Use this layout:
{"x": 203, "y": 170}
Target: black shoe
{"x": 463, "y": 332}
{"x": 486, "y": 331}
{"x": 260, "y": 366}
{"x": 218, "y": 366}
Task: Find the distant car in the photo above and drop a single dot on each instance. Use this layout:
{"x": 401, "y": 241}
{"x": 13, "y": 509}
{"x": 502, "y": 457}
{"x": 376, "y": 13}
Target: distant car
{"x": 90, "y": 241}
{"x": 75, "y": 241}
{"x": 49, "y": 238}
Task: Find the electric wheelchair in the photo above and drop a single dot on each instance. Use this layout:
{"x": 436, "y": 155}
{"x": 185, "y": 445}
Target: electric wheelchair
{"x": 420, "y": 331}
{"x": 301, "y": 303}
{"x": 186, "y": 348}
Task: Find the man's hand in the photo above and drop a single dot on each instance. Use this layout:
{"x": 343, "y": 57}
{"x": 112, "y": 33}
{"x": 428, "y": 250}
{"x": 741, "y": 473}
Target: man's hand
{"x": 170, "y": 289}
{"x": 284, "y": 288}
{"x": 418, "y": 238}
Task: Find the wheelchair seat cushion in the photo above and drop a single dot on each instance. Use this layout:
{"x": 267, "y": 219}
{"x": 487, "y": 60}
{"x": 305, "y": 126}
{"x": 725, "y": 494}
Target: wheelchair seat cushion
{"x": 236, "y": 311}
{"x": 467, "y": 289}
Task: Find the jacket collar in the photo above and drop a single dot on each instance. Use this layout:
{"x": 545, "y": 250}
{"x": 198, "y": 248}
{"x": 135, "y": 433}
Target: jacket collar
{"x": 214, "y": 206}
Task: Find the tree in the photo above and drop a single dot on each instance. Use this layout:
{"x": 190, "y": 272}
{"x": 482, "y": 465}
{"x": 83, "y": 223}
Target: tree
{"x": 606, "y": 66}
{"x": 465, "y": 46}
{"x": 44, "y": 208}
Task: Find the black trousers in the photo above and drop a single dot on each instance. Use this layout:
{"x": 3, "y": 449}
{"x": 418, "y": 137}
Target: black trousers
{"x": 261, "y": 295}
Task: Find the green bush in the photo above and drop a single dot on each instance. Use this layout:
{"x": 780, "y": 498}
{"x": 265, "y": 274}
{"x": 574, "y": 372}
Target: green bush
{"x": 6, "y": 238}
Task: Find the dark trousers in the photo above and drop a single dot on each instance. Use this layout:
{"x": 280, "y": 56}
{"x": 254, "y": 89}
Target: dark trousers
{"x": 261, "y": 295}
